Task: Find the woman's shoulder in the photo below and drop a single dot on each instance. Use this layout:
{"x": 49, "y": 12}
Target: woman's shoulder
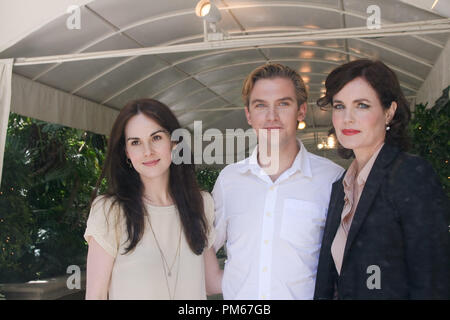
{"x": 408, "y": 163}
{"x": 108, "y": 205}
{"x": 414, "y": 174}
{"x": 104, "y": 200}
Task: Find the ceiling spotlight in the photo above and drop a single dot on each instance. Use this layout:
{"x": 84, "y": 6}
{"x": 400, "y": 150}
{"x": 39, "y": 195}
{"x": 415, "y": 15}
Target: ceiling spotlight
{"x": 320, "y": 146}
{"x": 301, "y": 125}
{"x": 205, "y": 9}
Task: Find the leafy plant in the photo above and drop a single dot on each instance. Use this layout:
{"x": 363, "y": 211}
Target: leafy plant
{"x": 207, "y": 177}
{"x": 49, "y": 173}
{"x": 430, "y": 132}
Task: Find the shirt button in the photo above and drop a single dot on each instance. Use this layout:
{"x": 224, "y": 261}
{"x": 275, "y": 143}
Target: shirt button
{"x": 271, "y": 188}
{"x": 266, "y": 241}
{"x": 265, "y": 269}
{"x": 263, "y": 296}
{"x": 268, "y": 214}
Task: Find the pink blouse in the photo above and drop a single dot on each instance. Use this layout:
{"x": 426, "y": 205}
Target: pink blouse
{"x": 353, "y": 187}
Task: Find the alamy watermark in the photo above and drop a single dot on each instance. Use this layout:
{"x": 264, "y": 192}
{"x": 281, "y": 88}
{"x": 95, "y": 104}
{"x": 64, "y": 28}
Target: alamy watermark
{"x": 73, "y": 22}
{"x": 74, "y": 280}
{"x": 374, "y": 20}
{"x": 374, "y": 280}
{"x": 267, "y": 142}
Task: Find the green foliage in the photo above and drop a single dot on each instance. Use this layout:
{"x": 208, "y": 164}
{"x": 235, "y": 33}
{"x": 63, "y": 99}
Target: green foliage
{"x": 430, "y": 132}
{"x": 207, "y": 177}
{"x": 49, "y": 172}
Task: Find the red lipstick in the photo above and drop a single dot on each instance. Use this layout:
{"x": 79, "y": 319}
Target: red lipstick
{"x": 350, "y": 132}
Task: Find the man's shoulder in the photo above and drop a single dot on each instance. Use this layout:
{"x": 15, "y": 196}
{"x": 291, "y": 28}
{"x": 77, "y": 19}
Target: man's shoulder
{"x": 234, "y": 168}
{"x": 322, "y": 163}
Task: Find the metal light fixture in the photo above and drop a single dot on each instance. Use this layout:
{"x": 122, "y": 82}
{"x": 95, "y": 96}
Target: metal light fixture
{"x": 208, "y": 11}
{"x": 210, "y": 14}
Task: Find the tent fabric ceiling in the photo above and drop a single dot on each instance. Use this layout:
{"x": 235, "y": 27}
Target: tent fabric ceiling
{"x": 205, "y": 85}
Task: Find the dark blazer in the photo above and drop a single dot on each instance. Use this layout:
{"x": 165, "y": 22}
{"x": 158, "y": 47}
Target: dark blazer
{"x": 401, "y": 225}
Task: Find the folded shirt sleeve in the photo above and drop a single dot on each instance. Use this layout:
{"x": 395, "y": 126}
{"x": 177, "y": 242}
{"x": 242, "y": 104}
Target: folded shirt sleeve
{"x": 102, "y": 224}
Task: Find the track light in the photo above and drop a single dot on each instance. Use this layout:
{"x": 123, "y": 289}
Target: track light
{"x": 207, "y": 10}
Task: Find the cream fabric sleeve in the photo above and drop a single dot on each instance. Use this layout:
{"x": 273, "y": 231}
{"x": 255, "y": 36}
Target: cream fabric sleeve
{"x": 208, "y": 204}
{"x": 102, "y": 224}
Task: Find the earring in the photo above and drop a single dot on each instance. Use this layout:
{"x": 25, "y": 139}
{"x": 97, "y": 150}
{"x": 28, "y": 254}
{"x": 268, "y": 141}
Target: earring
{"x": 388, "y": 127}
{"x": 129, "y": 163}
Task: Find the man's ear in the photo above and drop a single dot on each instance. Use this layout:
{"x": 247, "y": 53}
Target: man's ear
{"x": 301, "y": 112}
{"x": 247, "y": 115}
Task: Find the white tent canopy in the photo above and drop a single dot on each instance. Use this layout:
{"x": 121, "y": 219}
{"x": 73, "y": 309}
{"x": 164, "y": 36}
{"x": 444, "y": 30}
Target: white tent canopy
{"x": 138, "y": 48}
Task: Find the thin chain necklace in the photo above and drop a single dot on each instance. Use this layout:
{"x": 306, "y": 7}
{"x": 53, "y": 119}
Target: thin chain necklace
{"x": 166, "y": 268}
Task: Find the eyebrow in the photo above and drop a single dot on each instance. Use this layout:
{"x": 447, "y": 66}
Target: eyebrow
{"x": 286, "y": 98}
{"x": 257, "y": 100}
{"x": 157, "y": 131}
{"x": 281, "y": 99}
{"x": 357, "y": 100}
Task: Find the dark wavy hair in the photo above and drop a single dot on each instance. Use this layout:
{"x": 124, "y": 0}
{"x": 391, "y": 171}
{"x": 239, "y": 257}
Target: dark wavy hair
{"x": 126, "y": 188}
{"x": 385, "y": 83}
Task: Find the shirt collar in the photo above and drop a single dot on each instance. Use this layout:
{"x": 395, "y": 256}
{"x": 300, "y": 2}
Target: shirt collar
{"x": 363, "y": 174}
{"x": 301, "y": 162}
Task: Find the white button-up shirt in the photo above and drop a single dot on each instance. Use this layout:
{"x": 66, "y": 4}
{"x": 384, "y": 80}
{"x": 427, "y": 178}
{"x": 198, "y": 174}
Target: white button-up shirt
{"x": 273, "y": 230}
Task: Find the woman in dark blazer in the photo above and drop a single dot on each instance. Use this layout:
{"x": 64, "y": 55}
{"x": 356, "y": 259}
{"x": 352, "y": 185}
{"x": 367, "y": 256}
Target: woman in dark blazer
{"x": 387, "y": 230}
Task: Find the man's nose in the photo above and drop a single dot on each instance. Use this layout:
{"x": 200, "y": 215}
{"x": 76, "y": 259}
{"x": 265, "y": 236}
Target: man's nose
{"x": 272, "y": 113}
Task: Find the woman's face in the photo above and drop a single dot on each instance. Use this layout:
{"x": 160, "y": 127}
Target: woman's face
{"x": 148, "y": 146}
{"x": 359, "y": 118}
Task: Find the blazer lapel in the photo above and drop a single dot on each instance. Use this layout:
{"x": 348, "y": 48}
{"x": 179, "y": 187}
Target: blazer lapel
{"x": 337, "y": 204}
{"x": 376, "y": 176}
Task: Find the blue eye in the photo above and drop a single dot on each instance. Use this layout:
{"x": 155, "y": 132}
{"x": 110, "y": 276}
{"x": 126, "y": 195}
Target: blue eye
{"x": 363, "y": 105}
{"x": 338, "y": 106}
{"x": 156, "y": 138}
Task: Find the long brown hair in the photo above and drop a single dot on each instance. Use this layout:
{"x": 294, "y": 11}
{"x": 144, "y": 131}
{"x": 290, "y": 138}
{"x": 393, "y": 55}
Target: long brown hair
{"x": 126, "y": 187}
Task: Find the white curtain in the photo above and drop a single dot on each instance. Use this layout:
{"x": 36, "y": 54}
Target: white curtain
{"x": 29, "y": 98}
{"x": 5, "y": 104}
{"x": 437, "y": 80}
{"x": 39, "y": 101}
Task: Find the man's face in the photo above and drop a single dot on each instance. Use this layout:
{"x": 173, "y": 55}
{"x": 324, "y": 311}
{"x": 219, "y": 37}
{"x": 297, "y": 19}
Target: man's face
{"x": 273, "y": 106}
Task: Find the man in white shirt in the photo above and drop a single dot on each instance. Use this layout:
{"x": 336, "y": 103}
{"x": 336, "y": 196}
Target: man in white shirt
{"x": 272, "y": 221}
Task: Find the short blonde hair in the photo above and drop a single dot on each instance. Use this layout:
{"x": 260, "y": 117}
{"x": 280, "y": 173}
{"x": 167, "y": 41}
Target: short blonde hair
{"x": 271, "y": 71}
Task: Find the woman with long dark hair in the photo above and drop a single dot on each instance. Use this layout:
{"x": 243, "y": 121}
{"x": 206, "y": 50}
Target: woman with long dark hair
{"x": 150, "y": 234}
{"x": 386, "y": 234}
